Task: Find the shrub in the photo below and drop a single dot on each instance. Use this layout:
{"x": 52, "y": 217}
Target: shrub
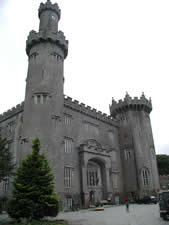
{"x": 33, "y": 196}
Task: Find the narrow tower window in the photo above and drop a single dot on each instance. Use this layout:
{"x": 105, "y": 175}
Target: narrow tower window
{"x": 145, "y": 177}
{"x": 40, "y": 98}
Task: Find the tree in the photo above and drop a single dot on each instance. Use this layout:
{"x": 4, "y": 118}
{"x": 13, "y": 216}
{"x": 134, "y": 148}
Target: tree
{"x": 33, "y": 194}
{"x": 6, "y": 160}
{"x": 163, "y": 164}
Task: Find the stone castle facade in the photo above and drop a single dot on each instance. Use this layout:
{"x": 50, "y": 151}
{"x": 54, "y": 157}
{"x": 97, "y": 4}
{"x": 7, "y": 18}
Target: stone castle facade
{"x": 94, "y": 156}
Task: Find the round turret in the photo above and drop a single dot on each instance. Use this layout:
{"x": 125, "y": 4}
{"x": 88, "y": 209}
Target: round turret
{"x": 130, "y": 104}
{"x": 49, "y": 6}
{"x": 49, "y": 15}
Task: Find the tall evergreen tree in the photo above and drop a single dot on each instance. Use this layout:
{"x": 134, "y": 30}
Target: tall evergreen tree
{"x": 6, "y": 160}
{"x": 163, "y": 164}
{"x": 33, "y": 194}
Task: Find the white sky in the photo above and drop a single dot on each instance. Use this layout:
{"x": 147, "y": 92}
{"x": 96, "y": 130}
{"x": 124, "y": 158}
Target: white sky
{"x": 114, "y": 46}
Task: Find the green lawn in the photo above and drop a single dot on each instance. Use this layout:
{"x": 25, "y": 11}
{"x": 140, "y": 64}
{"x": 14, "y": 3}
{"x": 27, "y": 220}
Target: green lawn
{"x": 36, "y": 223}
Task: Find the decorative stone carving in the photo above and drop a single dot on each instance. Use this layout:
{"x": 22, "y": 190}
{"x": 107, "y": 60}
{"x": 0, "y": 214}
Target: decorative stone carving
{"x": 92, "y": 145}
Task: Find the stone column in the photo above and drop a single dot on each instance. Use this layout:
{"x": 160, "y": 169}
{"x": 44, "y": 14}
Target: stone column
{"x": 109, "y": 190}
{"x": 83, "y": 171}
{"x": 84, "y": 185}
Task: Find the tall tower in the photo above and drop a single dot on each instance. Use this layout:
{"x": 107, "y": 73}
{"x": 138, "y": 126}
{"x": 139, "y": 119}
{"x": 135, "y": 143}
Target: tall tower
{"x": 44, "y": 99}
{"x": 137, "y": 145}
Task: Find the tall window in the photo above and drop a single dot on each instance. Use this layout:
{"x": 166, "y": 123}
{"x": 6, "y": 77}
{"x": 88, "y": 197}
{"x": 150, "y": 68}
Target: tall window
{"x": 67, "y": 119}
{"x": 127, "y": 154}
{"x": 5, "y": 184}
{"x": 68, "y": 177}
{"x": 145, "y": 176}
{"x": 92, "y": 178}
{"x": 93, "y": 174}
{"x": 68, "y": 145}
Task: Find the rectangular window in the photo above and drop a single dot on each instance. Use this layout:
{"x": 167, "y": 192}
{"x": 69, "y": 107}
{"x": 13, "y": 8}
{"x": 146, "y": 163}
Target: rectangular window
{"x": 145, "y": 176}
{"x": 68, "y": 145}
{"x": 92, "y": 177}
{"x": 67, "y": 119}
{"x": 68, "y": 177}
{"x": 5, "y": 184}
{"x": 40, "y": 98}
{"x": 127, "y": 154}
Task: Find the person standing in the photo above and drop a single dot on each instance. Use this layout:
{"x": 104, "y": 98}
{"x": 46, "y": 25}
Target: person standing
{"x": 127, "y": 204}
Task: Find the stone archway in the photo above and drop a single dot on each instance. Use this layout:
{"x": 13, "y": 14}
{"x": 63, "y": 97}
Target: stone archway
{"x": 96, "y": 185}
{"x": 95, "y": 167}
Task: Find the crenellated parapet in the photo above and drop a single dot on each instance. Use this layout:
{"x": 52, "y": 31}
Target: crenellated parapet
{"x": 49, "y": 36}
{"x": 130, "y": 104}
{"x": 71, "y": 104}
{"x": 87, "y": 110}
{"x": 49, "y": 6}
{"x": 12, "y": 112}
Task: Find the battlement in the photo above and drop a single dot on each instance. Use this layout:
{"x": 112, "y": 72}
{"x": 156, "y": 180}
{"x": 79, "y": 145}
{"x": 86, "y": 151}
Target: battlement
{"x": 49, "y": 6}
{"x": 38, "y": 37}
{"x": 71, "y": 104}
{"x": 87, "y": 110}
{"x": 12, "y": 112}
{"x": 129, "y": 103}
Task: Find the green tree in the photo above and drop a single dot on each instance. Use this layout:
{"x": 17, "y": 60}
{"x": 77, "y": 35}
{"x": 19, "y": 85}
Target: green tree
{"x": 33, "y": 194}
{"x": 6, "y": 160}
{"x": 163, "y": 164}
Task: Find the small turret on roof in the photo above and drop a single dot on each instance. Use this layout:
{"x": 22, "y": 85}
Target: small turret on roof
{"x": 129, "y": 103}
{"x": 49, "y": 6}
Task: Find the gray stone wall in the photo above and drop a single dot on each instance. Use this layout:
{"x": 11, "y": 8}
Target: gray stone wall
{"x": 105, "y": 134}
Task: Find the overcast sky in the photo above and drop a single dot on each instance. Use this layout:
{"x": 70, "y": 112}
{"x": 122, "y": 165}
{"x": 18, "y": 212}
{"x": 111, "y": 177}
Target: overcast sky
{"x": 114, "y": 46}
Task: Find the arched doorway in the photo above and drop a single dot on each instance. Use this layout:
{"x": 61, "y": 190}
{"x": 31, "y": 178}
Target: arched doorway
{"x": 95, "y": 167}
{"x": 95, "y": 180}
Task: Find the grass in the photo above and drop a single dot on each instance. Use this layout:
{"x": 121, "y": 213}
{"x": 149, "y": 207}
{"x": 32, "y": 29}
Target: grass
{"x": 57, "y": 222}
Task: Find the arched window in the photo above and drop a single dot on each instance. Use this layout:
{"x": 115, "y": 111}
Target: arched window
{"x": 145, "y": 177}
{"x": 93, "y": 175}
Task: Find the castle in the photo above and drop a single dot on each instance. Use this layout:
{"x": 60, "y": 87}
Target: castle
{"x": 94, "y": 156}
